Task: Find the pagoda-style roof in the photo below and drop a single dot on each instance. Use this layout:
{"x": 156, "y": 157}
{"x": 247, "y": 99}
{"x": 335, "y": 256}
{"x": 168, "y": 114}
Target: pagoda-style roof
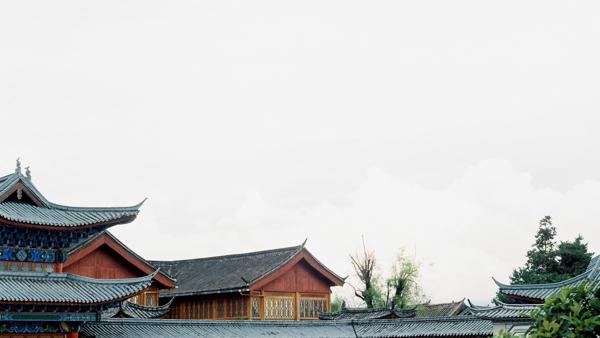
{"x": 22, "y": 204}
{"x": 460, "y": 326}
{"x": 66, "y": 289}
{"x": 128, "y": 309}
{"x": 364, "y": 313}
{"x": 540, "y": 292}
{"x": 503, "y": 311}
{"x": 236, "y": 273}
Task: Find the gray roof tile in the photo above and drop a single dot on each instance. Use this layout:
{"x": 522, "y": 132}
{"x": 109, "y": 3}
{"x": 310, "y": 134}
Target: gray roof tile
{"x": 52, "y": 214}
{"x": 504, "y": 311}
{"x": 441, "y": 309}
{"x": 133, "y": 310}
{"x": 231, "y": 273}
{"x": 364, "y": 313}
{"x": 63, "y": 288}
{"x": 463, "y": 326}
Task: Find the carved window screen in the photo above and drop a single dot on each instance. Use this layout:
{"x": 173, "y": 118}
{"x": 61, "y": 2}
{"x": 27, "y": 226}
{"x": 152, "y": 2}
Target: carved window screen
{"x": 310, "y": 307}
{"x": 279, "y": 307}
{"x": 255, "y": 307}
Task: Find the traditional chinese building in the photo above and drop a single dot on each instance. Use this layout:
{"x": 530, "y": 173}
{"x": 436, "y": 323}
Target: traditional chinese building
{"x": 516, "y": 318}
{"x": 59, "y": 268}
{"x": 283, "y": 284}
{"x": 63, "y": 274}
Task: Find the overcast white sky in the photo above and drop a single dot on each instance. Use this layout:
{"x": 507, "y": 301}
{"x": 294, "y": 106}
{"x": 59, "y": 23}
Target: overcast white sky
{"x": 445, "y": 127}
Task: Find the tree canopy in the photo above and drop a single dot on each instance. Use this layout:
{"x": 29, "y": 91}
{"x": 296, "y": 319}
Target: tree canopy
{"x": 548, "y": 262}
{"x": 399, "y": 290}
{"x": 402, "y": 287}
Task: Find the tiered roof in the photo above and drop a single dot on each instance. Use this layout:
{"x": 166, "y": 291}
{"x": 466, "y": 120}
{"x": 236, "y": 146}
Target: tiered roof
{"x": 66, "y": 289}
{"x": 35, "y": 236}
{"x": 460, "y": 326}
{"x": 233, "y": 273}
{"x": 540, "y": 292}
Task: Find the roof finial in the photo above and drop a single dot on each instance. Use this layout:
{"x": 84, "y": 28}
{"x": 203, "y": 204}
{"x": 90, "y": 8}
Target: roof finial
{"x": 28, "y": 172}
{"x": 18, "y": 168}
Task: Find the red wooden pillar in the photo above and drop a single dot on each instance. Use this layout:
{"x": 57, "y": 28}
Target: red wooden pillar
{"x": 59, "y": 268}
{"x": 73, "y": 335}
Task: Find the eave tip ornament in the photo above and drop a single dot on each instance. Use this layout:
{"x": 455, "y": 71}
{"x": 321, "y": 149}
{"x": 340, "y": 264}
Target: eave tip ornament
{"x": 18, "y": 169}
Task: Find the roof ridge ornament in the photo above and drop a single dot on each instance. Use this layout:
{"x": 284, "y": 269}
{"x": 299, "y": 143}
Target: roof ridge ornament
{"x": 28, "y": 172}
{"x": 18, "y": 167}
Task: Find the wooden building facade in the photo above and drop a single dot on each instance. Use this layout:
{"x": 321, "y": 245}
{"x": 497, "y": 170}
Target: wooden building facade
{"x": 105, "y": 257}
{"x": 281, "y": 284}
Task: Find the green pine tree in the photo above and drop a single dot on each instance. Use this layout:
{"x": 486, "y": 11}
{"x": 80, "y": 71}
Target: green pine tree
{"x": 549, "y": 263}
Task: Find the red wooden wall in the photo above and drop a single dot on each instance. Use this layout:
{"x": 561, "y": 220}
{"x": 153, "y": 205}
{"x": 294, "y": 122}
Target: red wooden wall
{"x": 300, "y": 278}
{"x": 103, "y": 263}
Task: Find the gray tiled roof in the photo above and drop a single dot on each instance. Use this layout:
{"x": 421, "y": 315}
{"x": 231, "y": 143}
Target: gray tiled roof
{"x": 63, "y": 288}
{"x": 364, "y": 313}
{"x": 130, "y": 328}
{"x": 504, "y": 311}
{"x": 441, "y": 309}
{"x": 232, "y": 273}
{"x": 133, "y": 310}
{"x": 456, "y": 326}
{"x": 8, "y": 182}
{"x": 52, "y": 214}
{"x": 543, "y": 291}
{"x": 464, "y": 326}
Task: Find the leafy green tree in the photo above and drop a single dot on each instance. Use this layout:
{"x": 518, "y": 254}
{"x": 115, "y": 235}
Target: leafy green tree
{"x": 402, "y": 287}
{"x": 573, "y": 313}
{"x": 338, "y": 304}
{"x": 398, "y": 291}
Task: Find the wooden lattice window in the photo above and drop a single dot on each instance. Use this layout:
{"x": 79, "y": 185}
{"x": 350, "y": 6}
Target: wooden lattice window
{"x": 310, "y": 307}
{"x": 279, "y": 307}
{"x": 255, "y": 307}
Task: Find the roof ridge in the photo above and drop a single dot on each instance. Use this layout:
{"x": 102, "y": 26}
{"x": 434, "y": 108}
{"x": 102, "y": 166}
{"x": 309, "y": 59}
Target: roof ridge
{"x": 10, "y": 180}
{"x": 542, "y": 285}
{"x": 245, "y": 254}
{"x": 425, "y": 319}
{"x": 134, "y": 207}
{"x": 503, "y": 304}
{"x": 73, "y": 277}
